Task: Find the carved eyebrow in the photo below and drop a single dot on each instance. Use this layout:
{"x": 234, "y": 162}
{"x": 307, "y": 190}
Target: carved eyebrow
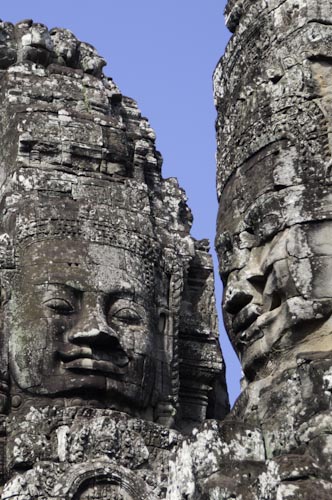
{"x": 120, "y": 291}
{"x": 72, "y": 287}
{"x": 131, "y": 293}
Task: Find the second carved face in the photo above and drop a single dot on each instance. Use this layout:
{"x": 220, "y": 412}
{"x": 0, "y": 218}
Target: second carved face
{"x": 280, "y": 301}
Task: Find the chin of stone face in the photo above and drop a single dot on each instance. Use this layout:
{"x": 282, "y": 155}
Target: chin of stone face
{"x": 109, "y": 337}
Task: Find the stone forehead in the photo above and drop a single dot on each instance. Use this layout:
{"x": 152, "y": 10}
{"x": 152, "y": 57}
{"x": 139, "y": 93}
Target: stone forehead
{"x": 83, "y": 266}
{"x": 118, "y": 215}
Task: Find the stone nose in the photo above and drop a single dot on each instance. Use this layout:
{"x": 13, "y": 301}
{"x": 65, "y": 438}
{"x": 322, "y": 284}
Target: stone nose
{"x": 93, "y": 330}
{"x": 236, "y": 298}
{"x": 97, "y": 338}
{"x": 240, "y": 292}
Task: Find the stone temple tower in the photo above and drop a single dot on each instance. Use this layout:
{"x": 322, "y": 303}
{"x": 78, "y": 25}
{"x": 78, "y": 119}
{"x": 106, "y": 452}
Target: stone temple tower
{"x": 111, "y": 378}
{"x": 108, "y": 341}
{"x": 273, "y": 94}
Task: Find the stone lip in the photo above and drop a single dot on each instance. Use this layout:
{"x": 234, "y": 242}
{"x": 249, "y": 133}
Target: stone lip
{"x": 84, "y": 358}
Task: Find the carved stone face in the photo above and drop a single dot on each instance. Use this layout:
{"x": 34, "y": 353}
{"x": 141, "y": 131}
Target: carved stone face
{"x": 81, "y": 322}
{"x": 280, "y": 301}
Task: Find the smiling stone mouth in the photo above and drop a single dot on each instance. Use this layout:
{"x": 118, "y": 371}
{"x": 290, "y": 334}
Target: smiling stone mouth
{"x": 87, "y": 358}
{"x": 90, "y": 364}
{"x": 246, "y": 317}
{"x": 250, "y": 326}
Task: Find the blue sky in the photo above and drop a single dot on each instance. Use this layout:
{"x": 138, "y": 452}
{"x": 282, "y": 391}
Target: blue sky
{"x": 162, "y": 54}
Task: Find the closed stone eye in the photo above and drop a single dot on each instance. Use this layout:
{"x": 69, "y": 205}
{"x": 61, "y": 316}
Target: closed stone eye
{"x": 126, "y": 315}
{"x": 59, "y": 305}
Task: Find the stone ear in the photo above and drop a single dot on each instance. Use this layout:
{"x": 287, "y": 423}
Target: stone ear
{"x": 4, "y": 389}
{"x": 4, "y": 295}
{"x": 163, "y": 317}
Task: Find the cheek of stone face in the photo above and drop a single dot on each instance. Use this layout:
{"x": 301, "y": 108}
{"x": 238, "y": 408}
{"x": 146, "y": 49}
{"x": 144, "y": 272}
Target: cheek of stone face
{"x": 279, "y": 286}
{"x": 29, "y": 348}
{"x": 141, "y": 346}
{"x": 35, "y": 334}
{"x": 310, "y": 251}
{"x": 321, "y": 267}
{"x": 145, "y": 348}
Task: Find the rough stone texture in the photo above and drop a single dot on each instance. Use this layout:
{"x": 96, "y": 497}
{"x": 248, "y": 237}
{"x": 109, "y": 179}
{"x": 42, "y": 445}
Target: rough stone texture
{"x": 108, "y": 324}
{"x": 109, "y": 342}
{"x": 273, "y": 93}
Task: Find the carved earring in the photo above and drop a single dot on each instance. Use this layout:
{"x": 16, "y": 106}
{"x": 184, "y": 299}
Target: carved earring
{"x": 162, "y": 321}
